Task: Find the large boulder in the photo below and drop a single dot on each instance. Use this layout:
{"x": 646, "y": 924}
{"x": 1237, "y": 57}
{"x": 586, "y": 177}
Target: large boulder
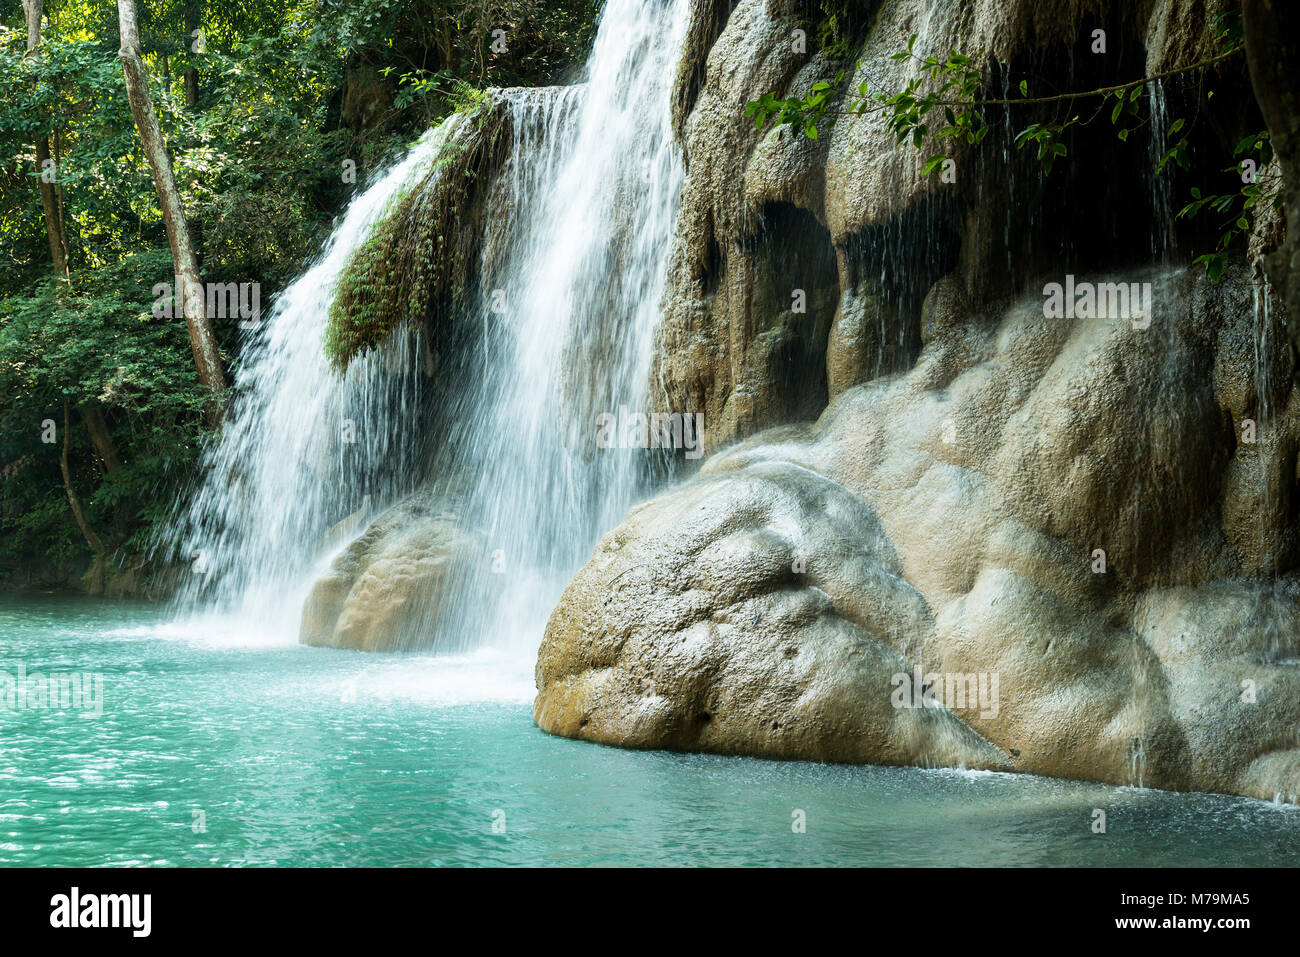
{"x": 761, "y": 612}
{"x": 383, "y": 591}
{"x": 1038, "y": 500}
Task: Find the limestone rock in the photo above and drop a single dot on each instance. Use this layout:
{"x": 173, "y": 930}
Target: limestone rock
{"x": 760, "y": 612}
{"x": 752, "y": 196}
{"x": 383, "y": 591}
{"x": 948, "y": 519}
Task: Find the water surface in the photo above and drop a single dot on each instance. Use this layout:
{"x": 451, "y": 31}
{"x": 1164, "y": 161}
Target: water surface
{"x": 223, "y": 747}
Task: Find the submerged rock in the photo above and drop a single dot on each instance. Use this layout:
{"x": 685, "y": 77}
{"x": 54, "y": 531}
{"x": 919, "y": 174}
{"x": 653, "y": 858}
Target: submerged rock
{"x": 1039, "y": 502}
{"x": 384, "y": 590}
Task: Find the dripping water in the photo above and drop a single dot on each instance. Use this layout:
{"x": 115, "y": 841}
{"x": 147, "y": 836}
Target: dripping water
{"x": 566, "y": 315}
{"x": 1162, "y": 202}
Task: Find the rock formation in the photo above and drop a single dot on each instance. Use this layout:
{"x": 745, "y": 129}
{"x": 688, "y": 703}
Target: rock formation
{"x": 1101, "y": 512}
{"x": 383, "y": 591}
{"x": 951, "y": 518}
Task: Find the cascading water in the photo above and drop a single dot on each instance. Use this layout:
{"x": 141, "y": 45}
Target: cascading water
{"x": 1162, "y": 202}
{"x": 301, "y": 446}
{"x": 569, "y": 318}
{"x": 567, "y": 312}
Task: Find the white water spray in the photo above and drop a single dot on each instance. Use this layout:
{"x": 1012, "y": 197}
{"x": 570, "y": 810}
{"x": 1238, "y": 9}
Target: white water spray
{"x": 567, "y": 316}
{"x": 283, "y": 470}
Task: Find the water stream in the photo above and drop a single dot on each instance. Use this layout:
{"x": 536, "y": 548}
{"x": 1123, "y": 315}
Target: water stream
{"x": 568, "y": 312}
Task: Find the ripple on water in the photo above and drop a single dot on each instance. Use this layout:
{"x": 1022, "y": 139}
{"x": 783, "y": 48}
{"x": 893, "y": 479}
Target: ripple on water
{"x": 257, "y": 754}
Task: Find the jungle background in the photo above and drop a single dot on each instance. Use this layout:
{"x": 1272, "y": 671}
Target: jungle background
{"x": 273, "y": 114}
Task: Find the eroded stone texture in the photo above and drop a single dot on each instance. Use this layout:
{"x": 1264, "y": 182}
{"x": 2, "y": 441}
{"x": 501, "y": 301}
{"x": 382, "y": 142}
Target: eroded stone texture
{"x": 949, "y": 518}
{"x": 855, "y": 186}
{"x": 690, "y": 630}
{"x": 382, "y": 592}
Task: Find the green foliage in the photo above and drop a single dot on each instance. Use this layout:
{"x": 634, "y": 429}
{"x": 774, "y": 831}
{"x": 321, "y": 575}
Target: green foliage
{"x": 833, "y": 36}
{"x": 72, "y": 94}
{"x": 1047, "y": 138}
{"x": 386, "y": 283}
{"x": 430, "y": 49}
{"x": 412, "y": 260}
{"x": 804, "y": 113}
{"x": 953, "y": 83}
{"x": 1263, "y": 189}
{"x": 946, "y": 83}
{"x": 1236, "y": 208}
{"x": 97, "y": 344}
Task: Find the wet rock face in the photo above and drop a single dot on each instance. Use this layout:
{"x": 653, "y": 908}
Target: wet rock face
{"x": 858, "y": 188}
{"x": 1087, "y": 525}
{"x": 746, "y": 615}
{"x": 1039, "y": 501}
{"x": 383, "y": 591}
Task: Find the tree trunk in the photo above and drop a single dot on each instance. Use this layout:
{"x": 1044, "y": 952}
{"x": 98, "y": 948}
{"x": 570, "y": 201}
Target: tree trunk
{"x": 50, "y": 206}
{"x": 191, "y": 74}
{"x": 203, "y": 341}
{"x": 97, "y": 426}
{"x": 75, "y": 503}
{"x": 49, "y": 203}
{"x": 58, "y": 164}
{"x": 32, "y": 14}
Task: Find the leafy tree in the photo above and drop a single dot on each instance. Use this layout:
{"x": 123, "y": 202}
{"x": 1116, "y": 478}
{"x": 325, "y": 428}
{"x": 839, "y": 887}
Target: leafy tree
{"x": 252, "y": 116}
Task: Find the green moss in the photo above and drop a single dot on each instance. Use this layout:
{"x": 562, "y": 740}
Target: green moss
{"x": 415, "y": 261}
{"x": 834, "y": 35}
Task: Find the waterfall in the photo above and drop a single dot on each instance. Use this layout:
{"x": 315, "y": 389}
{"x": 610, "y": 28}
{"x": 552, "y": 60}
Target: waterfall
{"x": 1162, "y": 197}
{"x": 281, "y": 472}
{"x": 565, "y": 318}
